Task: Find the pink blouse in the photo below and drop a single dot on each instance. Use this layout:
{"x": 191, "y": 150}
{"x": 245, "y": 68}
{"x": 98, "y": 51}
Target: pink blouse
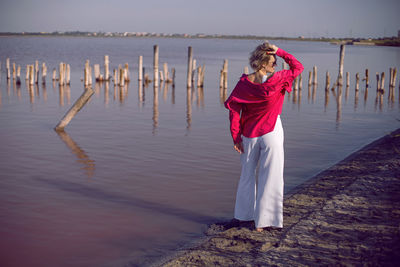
{"x": 260, "y": 104}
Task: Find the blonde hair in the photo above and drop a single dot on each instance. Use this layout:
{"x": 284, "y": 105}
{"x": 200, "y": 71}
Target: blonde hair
{"x": 259, "y": 56}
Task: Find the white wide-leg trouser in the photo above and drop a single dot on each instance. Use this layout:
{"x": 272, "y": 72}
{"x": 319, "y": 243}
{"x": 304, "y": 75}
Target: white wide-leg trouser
{"x": 262, "y": 201}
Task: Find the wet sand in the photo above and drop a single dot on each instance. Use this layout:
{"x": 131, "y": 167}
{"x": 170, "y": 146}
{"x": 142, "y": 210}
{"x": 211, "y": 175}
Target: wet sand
{"x": 348, "y": 215}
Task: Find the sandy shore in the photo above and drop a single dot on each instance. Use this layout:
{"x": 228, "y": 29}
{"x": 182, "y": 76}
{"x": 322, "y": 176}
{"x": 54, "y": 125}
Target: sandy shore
{"x": 348, "y": 215}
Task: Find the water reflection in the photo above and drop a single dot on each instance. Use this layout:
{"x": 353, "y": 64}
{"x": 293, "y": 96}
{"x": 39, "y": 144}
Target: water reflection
{"x": 155, "y": 109}
{"x": 106, "y": 93}
{"x": 188, "y": 108}
{"x": 131, "y": 201}
{"x": 83, "y": 158}
{"x": 44, "y": 92}
{"x": 61, "y": 95}
{"x": 339, "y": 105}
{"x": 200, "y": 97}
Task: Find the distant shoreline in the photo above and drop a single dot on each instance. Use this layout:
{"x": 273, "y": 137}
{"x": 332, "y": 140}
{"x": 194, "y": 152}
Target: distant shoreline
{"x": 386, "y": 41}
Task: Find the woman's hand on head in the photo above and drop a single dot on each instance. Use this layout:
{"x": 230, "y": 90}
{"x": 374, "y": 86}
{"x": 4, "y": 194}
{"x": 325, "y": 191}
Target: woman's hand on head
{"x": 239, "y": 147}
{"x": 273, "y": 52}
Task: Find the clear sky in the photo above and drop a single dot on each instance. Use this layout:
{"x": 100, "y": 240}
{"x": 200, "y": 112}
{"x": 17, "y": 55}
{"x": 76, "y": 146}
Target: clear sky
{"x": 289, "y": 18}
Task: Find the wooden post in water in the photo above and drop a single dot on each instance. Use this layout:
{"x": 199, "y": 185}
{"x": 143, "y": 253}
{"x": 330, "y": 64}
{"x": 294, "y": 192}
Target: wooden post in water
{"x": 96, "y": 69}
{"x": 44, "y": 73}
{"x": 61, "y": 74}
{"x": 199, "y": 70}
{"x": 166, "y": 74}
{"x": 173, "y": 77}
{"x": 347, "y": 79}
{"x": 246, "y": 70}
{"x": 382, "y": 87}
{"x": 194, "y": 67}
{"x": 27, "y": 73}
{"x": 127, "y": 73}
{"x": 161, "y": 74}
{"x": 341, "y": 60}
{"x": 309, "y": 78}
{"x": 328, "y": 81}
{"x": 106, "y": 68}
{"x": 315, "y": 75}
{"x": 54, "y": 74}
{"x": 31, "y": 75}
{"x": 121, "y": 76}
{"x": 86, "y": 75}
{"x": 366, "y": 78}
{"x": 155, "y": 65}
{"x": 223, "y": 83}
{"x": 8, "y": 69}
{"x": 115, "y": 75}
{"x": 18, "y": 82}
{"x": 37, "y": 72}
{"x": 76, "y": 107}
{"x": 357, "y": 81}
{"x": 140, "y": 69}
{"x": 68, "y": 74}
{"x": 14, "y": 72}
{"x": 190, "y": 67}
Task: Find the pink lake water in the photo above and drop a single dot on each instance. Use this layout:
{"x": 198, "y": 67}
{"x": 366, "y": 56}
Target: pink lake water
{"x": 138, "y": 175}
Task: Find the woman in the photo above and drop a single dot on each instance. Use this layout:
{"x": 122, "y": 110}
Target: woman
{"x": 254, "y": 108}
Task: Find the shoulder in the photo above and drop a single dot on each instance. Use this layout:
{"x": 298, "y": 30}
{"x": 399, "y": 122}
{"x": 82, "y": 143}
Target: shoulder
{"x": 251, "y": 77}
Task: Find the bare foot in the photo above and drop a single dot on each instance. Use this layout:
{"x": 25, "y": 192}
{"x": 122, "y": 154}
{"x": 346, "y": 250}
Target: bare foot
{"x": 259, "y": 230}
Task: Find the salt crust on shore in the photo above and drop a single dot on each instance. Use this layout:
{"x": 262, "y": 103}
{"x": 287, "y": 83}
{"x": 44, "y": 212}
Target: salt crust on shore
{"x": 348, "y": 215}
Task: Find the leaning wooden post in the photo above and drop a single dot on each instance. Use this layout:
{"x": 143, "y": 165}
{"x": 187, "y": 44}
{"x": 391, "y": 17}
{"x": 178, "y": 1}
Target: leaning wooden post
{"x": 366, "y": 78}
{"x": 190, "y": 67}
{"x": 106, "y": 68}
{"x": 155, "y": 65}
{"x": 341, "y": 59}
{"x": 140, "y": 70}
{"x": 76, "y": 107}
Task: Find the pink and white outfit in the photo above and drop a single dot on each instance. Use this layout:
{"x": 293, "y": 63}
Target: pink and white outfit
{"x": 254, "y": 111}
